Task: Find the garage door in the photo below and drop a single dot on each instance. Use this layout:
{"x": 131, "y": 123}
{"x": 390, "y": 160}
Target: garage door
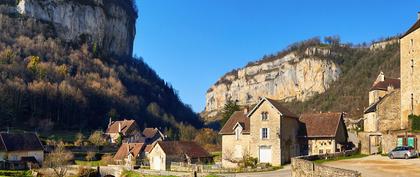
{"x": 157, "y": 164}
{"x": 265, "y": 154}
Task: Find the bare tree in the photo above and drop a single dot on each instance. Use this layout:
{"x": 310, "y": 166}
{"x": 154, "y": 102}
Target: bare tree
{"x": 58, "y": 160}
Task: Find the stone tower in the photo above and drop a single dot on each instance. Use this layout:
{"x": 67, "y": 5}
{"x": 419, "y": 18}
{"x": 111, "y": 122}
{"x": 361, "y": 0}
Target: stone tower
{"x": 410, "y": 72}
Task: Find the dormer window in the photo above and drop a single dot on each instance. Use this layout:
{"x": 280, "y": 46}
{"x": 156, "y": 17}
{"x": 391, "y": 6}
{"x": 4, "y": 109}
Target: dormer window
{"x": 264, "y": 116}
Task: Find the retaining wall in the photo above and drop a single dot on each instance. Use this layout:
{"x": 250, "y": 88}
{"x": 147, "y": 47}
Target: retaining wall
{"x": 305, "y": 167}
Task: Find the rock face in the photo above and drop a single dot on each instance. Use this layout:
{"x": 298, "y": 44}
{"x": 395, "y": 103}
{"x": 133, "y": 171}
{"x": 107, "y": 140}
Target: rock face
{"x": 291, "y": 77}
{"x": 106, "y": 24}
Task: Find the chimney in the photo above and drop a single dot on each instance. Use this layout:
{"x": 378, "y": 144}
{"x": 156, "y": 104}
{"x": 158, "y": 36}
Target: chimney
{"x": 110, "y": 122}
{"x": 119, "y": 127}
{"x": 381, "y": 76}
{"x": 418, "y": 15}
{"x": 245, "y": 110}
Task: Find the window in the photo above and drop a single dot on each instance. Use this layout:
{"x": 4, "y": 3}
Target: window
{"x": 264, "y": 133}
{"x": 328, "y": 151}
{"x": 264, "y": 116}
{"x": 321, "y": 151}
{"x": 237, "y": 133}
{"x": 412, "y": 66}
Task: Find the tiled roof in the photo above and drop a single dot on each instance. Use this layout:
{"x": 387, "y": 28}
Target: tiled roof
{"x": 150, "y": 132}
{"x": 148, "y": 148}
{"x": 383, "y": 85}
{"x": 283, "y": 110}
{"x": 321, "y": 124}
{"x": 125, "y": 148}
{"x": 20, "y": 142}
{"x": 189, "y": 148}
{"x": 237, "y": 117}
{"x": 413, "y": 28}
{"x": 125, "y": 125}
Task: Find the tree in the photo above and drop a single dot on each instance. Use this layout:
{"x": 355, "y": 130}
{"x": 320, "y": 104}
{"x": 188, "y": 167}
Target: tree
{"x": 90, "y": 156}
{"x": 208, "y": 138}
{"x": 229, "y": 108}
{"x": 79, "y": 139}
{"x": 58, "y": 160}
{"x": 97, "y": 138}
{"x": 186, "y": 132}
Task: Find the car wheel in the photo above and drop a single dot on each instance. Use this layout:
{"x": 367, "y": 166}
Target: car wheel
{"x": 405, "y": 156}
{"x": 391, "y": 156}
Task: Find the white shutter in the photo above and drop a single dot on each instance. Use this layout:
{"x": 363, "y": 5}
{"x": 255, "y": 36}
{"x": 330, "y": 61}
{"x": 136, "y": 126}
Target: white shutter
{"x": 268, "y": 133}
{"x": 261, "y": 135}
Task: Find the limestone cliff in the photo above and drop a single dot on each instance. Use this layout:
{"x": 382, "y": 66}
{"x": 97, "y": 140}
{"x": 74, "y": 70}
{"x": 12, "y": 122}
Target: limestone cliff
{"x": 290, "y": 77}
{"x": 106, "y": 24}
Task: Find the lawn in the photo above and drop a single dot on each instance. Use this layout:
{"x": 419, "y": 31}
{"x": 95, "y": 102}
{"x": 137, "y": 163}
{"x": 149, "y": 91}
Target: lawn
{"x": 89, "y": 163}
{"x": 217, "y": 156}
{"x": 7, "y": 173}
{"x": 136, "y": 174}
{"x": 319, "y": 161}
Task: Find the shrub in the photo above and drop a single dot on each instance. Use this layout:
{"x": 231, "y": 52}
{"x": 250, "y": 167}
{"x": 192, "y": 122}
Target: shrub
{"x": 415, "y": 122}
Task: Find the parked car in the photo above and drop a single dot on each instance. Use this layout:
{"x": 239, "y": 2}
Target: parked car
{"x": 405, "y": 152}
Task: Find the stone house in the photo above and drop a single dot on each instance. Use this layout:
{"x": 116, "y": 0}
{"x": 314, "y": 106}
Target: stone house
{"x": 17, "y": 150}
{"x": 164, "y": 153}
{"x": 153, "y": 135}
{"x": 127, "y": 129}
{"x": 235, "y": 139}
{"x": 381, "y": 116}
{"x": 324, "y": 133}
{"x": 130, "y": 154}
{"x": 268, "y": 132}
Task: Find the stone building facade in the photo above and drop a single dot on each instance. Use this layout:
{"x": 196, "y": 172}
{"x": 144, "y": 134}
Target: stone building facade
{"x": 410, "y": 70}
{"x": 381, "y": 116}
{"x": 324, "y": 133}
{"x": 269, "y": 132}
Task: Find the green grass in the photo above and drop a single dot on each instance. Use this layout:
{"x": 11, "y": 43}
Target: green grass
{"x": 8, "y": 173}
{"x": 217, "y": 156}
{"x": 340, "y": 158}
{"x": 89, "y": 163}
{"x": 136, "y": 174}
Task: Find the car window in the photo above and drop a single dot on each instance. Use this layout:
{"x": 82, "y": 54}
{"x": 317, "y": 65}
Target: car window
{"x": 397, "y": 149}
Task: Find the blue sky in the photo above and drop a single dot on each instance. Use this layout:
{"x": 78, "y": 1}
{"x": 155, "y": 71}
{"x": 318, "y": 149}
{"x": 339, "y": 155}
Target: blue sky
{"x": 192, "y": 43}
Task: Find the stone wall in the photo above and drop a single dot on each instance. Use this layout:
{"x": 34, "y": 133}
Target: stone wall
{"x": 388, "y": 112}
{"x": 304, "y": 167}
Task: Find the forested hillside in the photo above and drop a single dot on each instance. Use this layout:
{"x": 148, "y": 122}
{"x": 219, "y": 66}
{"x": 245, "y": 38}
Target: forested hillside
{"x": 360, "y": 66}
{"x": 47, "y": 83}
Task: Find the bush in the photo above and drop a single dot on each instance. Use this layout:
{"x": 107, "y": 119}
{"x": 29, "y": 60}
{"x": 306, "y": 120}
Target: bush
{"x": 107, "y": 159}
{"x": 415, "y": 122}
{"x": 86, "y": 172}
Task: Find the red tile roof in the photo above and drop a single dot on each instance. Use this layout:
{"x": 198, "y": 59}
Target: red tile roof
{"x": 125, "y": 126}
{"x": 283, "y": 110}
{"x": 189, "y": 148}
{"x": 150, "y": 132}
{"x": 321, "y": 124}
{"x": 383, "y": 85}
{"x": 125, "y": 148}
{"x": 237, "y": 117}
{"x": 148, "y": 148}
